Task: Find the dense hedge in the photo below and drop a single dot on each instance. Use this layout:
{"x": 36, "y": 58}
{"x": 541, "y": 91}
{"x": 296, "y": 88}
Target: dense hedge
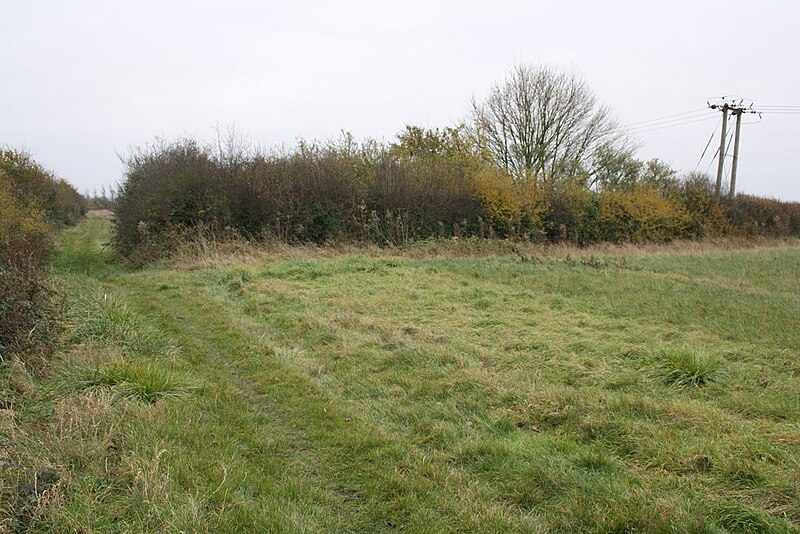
{"x": 430, "y": 183}
{"x": 753, "y": 215}
{"x": 32, "y": 204}
{"x": 33, "y": 185}
{"x": 313, "y": 194}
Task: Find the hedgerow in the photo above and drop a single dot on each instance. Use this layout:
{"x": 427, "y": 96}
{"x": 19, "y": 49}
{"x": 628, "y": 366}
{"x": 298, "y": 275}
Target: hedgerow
{"x": 428, "y": 184}
{"x": 753, "y": 215}
{"x": 32, "y": 204}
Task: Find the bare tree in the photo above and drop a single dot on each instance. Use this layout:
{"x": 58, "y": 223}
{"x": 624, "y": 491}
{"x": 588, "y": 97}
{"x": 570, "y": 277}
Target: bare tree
{"x": 541, "y": 122}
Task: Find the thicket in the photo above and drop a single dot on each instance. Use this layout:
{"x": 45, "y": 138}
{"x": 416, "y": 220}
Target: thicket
{"x": 33, "y": 202}
{"x": 318, "y": 192}
{"x": 753, "y": 215}
{"x": 33, "y": 185}
{"x": 427, "y": 184}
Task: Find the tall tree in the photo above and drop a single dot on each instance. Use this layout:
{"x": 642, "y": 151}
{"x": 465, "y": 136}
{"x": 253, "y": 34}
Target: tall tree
{"x": 541, "y": 122}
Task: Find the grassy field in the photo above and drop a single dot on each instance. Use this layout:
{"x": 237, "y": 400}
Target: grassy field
{"x": 636, "y": 393}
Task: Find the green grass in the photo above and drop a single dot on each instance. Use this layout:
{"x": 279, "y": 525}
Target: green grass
{"x": 650, "y": 393}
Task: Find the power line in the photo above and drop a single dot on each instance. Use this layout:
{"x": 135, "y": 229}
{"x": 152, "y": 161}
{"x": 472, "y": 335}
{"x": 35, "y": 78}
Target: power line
{"x": 760, "y": 118}
{"x": 711, "y": 138}
{"x": 667, "y": 121}
{"x": 713, "y": 159}
{"x": 658, "y": 119}
{"x": 681, "y": 120}
{"x": 728, "y": 146}
{"x": 661, "y": 127}
{"x": 728, "y": 137}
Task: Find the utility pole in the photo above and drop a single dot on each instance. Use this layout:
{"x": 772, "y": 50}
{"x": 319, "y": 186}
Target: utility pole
{"x": 722, "y": 136}
{"x": 732, "y": 190}
{"x": 735, "y": 107}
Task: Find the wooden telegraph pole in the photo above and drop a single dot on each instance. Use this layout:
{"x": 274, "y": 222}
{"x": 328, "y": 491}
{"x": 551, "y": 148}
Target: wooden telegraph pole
{"x": 722, "y": 137}
{"x": 732, "y": 189}
{"x": 734, "y": 107}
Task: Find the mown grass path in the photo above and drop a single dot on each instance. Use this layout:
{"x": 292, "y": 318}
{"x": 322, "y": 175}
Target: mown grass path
{"x": 378, "y": 394}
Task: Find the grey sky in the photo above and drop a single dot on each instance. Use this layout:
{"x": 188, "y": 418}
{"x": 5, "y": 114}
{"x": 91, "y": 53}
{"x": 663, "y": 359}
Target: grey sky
{"x": 81, "y": 81}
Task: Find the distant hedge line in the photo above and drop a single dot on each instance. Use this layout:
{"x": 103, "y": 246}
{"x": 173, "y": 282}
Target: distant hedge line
{"x": 33, "y": 202}
{"x": 438, "y": 187}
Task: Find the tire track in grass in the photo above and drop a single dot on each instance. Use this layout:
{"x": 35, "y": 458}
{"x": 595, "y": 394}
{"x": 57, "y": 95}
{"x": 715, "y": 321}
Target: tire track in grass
{"x": 369, "y": 481}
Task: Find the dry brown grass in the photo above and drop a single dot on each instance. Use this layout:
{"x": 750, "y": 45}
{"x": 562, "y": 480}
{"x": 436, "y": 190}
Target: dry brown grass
{"x": 107, "y": 215}
{"x": 202, "y": 253}
{"x": 682, "y": 247}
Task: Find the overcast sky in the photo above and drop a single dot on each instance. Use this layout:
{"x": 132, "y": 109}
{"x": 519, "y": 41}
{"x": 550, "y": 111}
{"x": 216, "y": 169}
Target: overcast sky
{"x": 82, "y": 81}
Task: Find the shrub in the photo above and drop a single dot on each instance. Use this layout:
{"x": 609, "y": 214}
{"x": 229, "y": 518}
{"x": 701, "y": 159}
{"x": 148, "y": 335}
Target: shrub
{"x": 571, "y": 212}
{"x": 104, "y": 200}
{"x": 508, "y": 203}
{"x": 32, "y": 185}
{"x": 314, "y": 193}
{"x": 708, "y": 215}
{"x": 32, "y": 203}
{"x": 30, "y": 311}
{"x": 23, "y": 231}
{"x": 640, "y": 214}
{"x": 752, "y": 215}
{"x": 30, "y": 316}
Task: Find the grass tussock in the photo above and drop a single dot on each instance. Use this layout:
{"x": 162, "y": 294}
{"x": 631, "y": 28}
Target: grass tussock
{"x": 145, "y": 382}
{"x": 687, "y": 367}
{"x": 109, "y": 320}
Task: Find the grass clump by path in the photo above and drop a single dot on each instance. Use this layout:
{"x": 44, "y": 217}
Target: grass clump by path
{"x": 106, "y": 319}
{"x": 374, "y": 394}
{"x": 136, "y": 381}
